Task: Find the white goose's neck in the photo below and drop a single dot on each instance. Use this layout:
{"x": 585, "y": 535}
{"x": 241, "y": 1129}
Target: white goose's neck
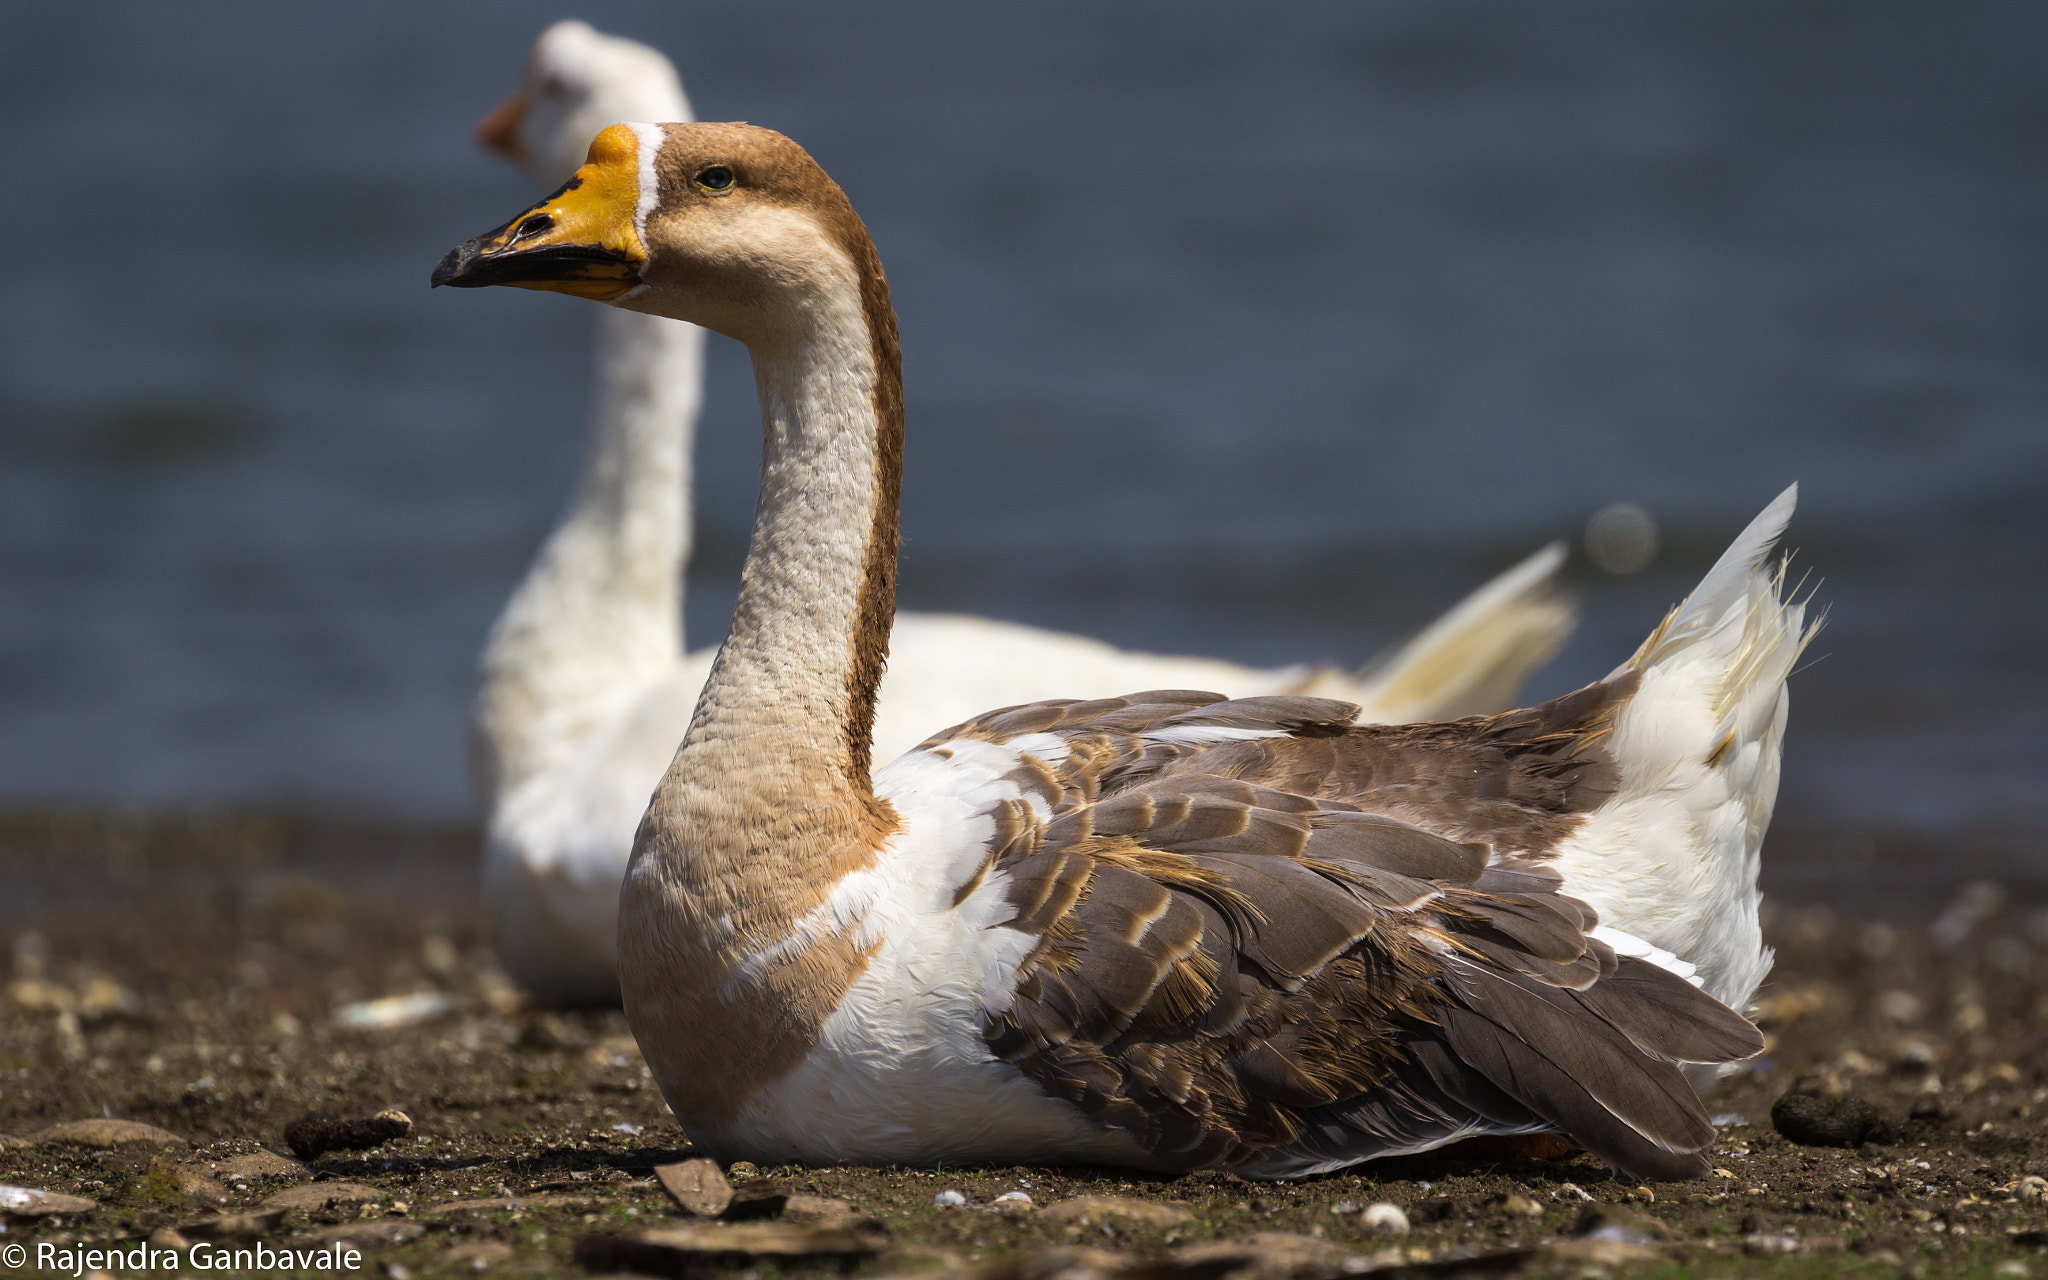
{"x": 599, "y": 614}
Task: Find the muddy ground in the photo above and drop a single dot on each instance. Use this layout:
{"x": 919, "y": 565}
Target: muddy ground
{"x": 194, "y": 975}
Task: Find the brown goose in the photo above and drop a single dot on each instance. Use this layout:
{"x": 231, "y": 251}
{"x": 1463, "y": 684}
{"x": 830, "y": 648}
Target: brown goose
{"x": 587, "y": 686}
{"x": 1168, "y": 929}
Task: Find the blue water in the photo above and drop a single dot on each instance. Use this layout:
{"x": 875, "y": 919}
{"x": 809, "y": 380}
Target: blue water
{"x": 1254, "y": 330}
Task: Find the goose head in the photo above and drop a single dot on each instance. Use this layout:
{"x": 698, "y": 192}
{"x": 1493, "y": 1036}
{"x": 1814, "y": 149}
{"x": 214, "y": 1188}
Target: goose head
{"x": 727, "y": 226}
{"x": 577, "y": 80}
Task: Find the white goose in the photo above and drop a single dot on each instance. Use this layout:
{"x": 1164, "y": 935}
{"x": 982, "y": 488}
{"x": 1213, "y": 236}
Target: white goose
{"x": 1168, "y": 929}
{"x": 586, "y": 685}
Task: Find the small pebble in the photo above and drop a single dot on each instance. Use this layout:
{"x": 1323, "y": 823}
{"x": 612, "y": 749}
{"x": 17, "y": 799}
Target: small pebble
{"x": 1899, "y": 1006}
{"x": 1857, "y": 1064}
{"x": 316, "y": 1135}
{"x": 1386, "y": 1219}
{"x": 949, "y": 1200}
{"x": 394, "y": 1011}
{"x": 1013, "y": 1197}
{"x": 1815, "y": 1122}
{"x": 1620, "y": 1224}
{"x": 1115, "y": 1212}
{"x": 105, "y": 1134}
{"x": 1345, "y": 1206}
{"x": 1517, "y": 1206}
{"x": 33, "y": 1202}
{"x": 822, "y": 1211}
{"x": 697, "y": 1186}
{"x": 313, "y": 1197}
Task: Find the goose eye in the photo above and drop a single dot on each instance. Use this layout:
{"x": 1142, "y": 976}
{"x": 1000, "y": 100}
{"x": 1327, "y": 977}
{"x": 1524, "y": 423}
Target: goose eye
{"x": 716, "y": 178}
{"x": 533, "y": 226}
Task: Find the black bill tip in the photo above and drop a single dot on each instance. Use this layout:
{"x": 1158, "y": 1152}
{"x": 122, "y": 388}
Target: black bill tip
{"x": 588, "y": 270}
{"x": 453, "y": 268}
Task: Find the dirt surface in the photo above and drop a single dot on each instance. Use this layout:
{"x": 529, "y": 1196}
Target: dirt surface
{"x": 202, "y": 976}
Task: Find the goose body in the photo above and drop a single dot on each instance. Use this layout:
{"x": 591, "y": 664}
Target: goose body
{"x": 587, "y": 686}
{"x": 1169, "y": 929}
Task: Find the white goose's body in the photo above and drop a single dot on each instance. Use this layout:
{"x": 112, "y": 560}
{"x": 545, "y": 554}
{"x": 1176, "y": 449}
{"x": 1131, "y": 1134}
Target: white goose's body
{"x": 1167, "y": 929}
{"x": 587, "y": 687}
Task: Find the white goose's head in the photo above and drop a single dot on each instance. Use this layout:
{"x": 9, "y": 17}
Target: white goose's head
{"x": 578, "y": 80}
{"x": 727, "y": 226}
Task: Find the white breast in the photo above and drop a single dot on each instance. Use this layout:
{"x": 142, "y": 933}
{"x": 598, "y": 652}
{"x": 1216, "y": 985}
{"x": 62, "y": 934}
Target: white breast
{"x": 900, "y": 1072}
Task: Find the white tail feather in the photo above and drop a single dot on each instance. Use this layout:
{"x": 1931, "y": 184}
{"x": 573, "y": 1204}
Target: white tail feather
{"x": 1474, "y": 659}
{"x": 1672, "y": 857}
{"x": 1732, "y": 578}
{"x": 1628, "y": 944}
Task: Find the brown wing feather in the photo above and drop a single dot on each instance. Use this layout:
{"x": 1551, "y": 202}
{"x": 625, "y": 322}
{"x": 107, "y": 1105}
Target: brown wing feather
{"x": 1295, "y": 952}
{"x": 1150, "y": 707}
{"x": 1517, "y": 783}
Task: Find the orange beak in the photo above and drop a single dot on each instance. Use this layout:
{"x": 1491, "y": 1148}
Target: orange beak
{"x": 498, "y": 132}
{"x": 583, "y": 240}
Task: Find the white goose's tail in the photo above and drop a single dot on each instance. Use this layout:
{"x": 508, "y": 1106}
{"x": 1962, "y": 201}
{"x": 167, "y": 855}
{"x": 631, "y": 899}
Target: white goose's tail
{"x": 1473, "y": 660}
{"x": 1672, "y": 857}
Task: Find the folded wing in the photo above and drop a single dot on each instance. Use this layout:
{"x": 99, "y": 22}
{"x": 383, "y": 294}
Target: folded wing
{"x": 1266, "y": 939}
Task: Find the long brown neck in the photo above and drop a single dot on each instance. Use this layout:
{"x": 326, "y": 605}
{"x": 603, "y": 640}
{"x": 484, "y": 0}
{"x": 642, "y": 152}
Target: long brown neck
{"x": 738, "y": 913}
{"x": 769, "y": 800}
